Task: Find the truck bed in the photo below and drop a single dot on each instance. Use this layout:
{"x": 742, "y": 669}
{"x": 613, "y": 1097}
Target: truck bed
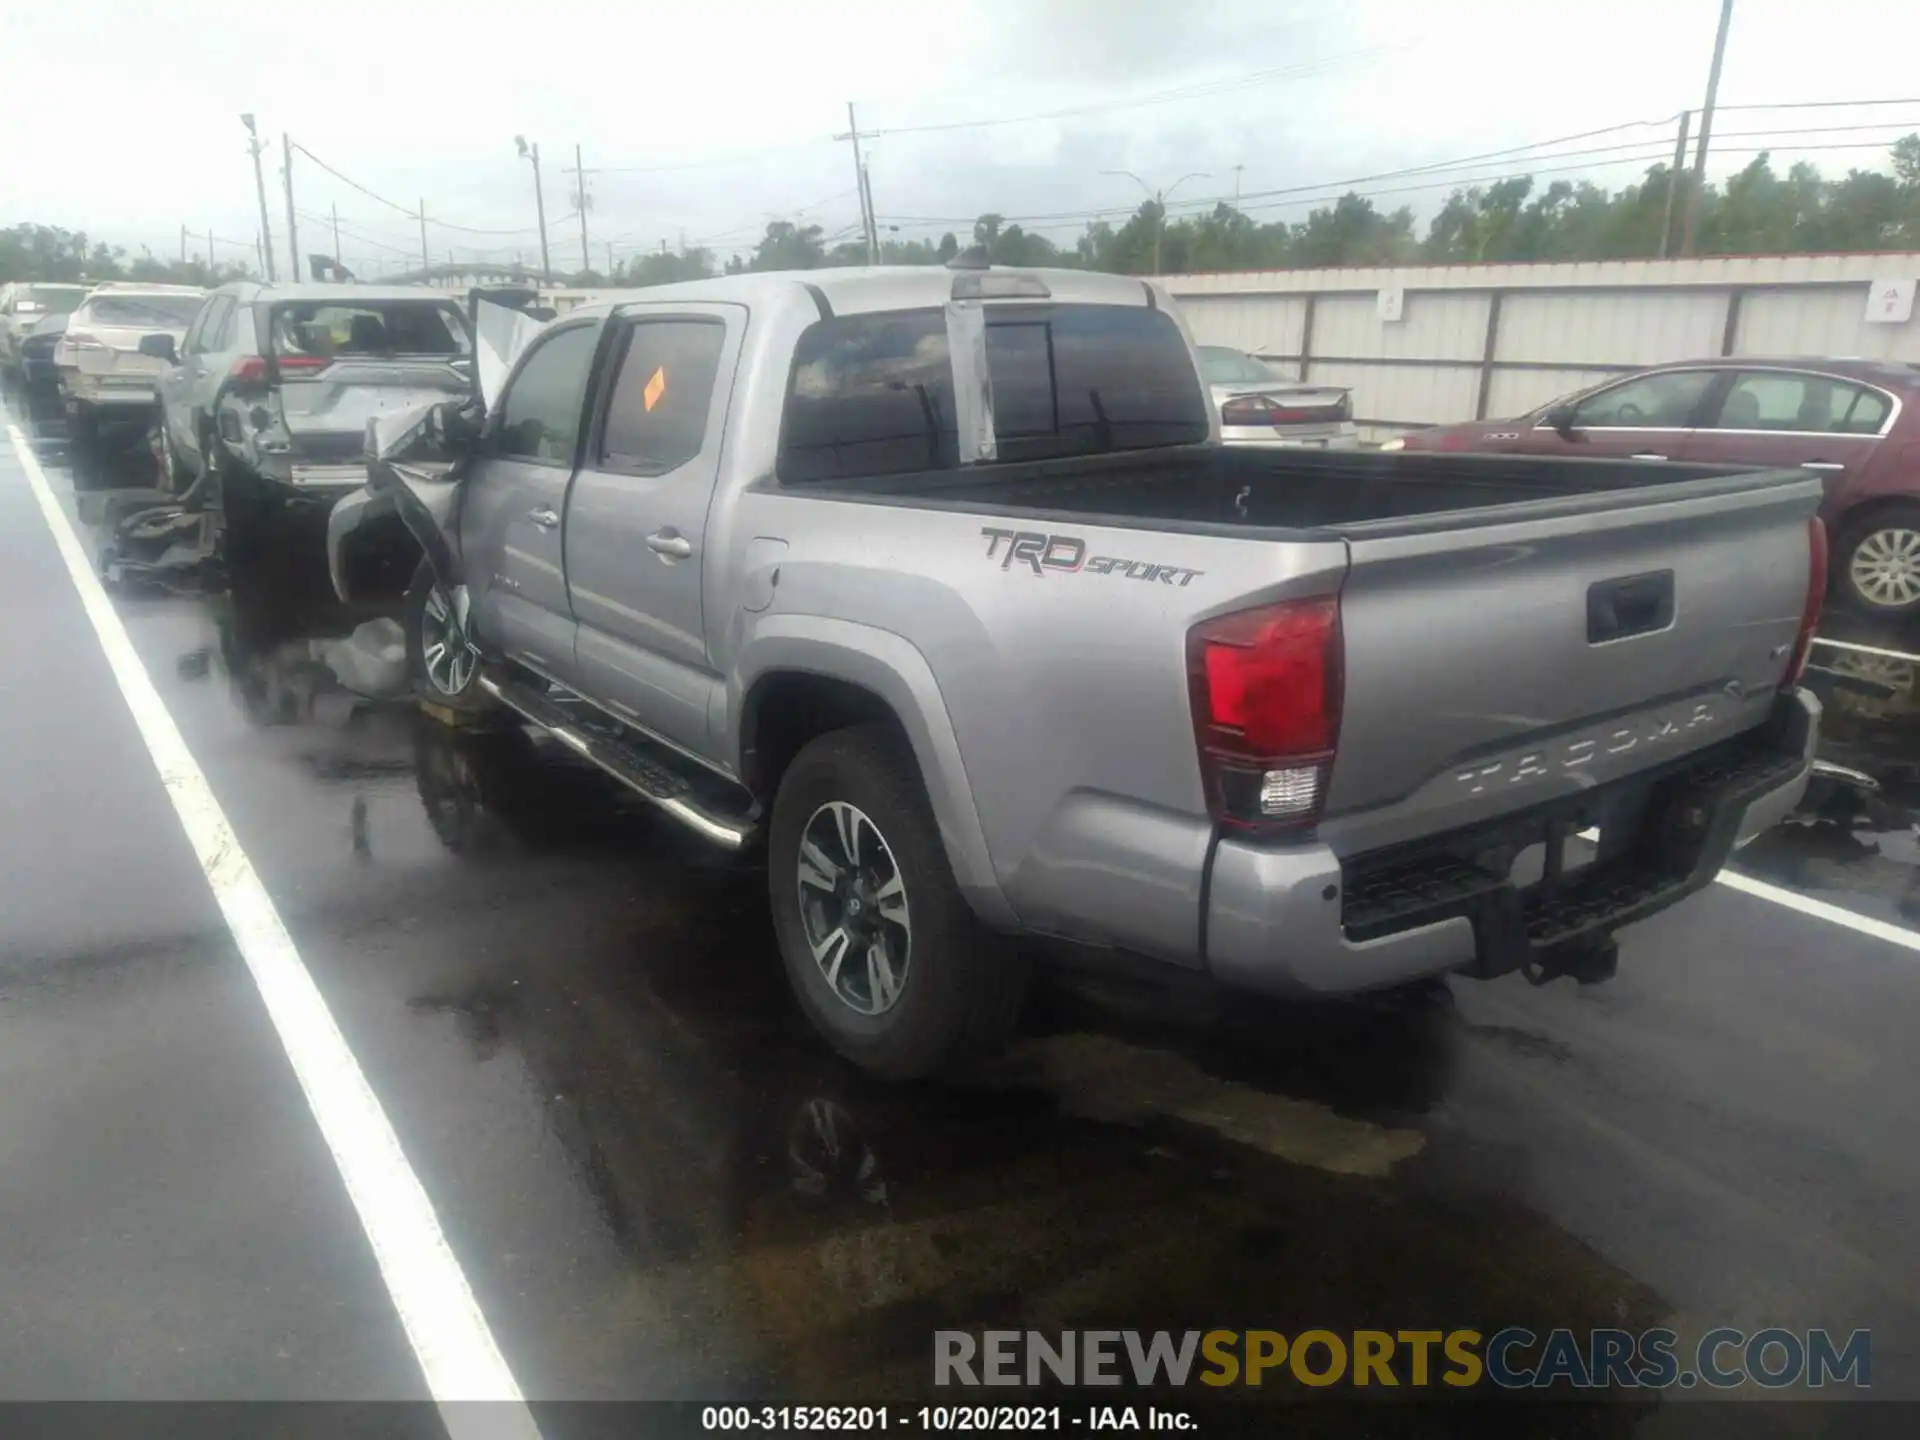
{"x": 1293, "y": 493}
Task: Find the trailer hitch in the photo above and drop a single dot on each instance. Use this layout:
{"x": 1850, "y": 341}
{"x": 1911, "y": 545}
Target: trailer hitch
{"x": 1588, "y": 961}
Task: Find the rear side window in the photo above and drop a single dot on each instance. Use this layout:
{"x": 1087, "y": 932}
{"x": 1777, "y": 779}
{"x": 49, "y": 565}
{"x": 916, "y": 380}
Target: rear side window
{"x": 216, "y": 325}
{"x": 870, "y": 395}
{"x": 662, "y": 392}
{"x": 540, "y": 413}
{"x": 873, "y": 394}
{"x": 1811, "y": 404}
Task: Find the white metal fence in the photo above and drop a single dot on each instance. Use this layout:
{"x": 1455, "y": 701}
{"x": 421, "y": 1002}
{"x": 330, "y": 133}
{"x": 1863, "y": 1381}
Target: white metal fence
{"x": 1427, "y": 345}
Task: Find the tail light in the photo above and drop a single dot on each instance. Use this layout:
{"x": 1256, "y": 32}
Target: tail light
{"x": 250, "y": 371}
{"x": 1264, "y": 410}
{"x": 81, "y": 340}
{"x": 1266, "y": 687}
{"x": 1816, "y": 593}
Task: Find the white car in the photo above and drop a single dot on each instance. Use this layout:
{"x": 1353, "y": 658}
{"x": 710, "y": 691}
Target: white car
{"x": 103, "y": 375}
{"x": 23, "y": 305}
{"x": 1260, "y": 406}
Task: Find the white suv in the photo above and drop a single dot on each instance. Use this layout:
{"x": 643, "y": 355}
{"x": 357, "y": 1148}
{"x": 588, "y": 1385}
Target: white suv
{"x": 102, "y": 373}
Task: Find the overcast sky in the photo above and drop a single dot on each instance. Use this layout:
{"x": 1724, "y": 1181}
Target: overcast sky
{"x": 708, "y": 119}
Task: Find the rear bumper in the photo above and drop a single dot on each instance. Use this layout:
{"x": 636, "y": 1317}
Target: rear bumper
{"x": 1293, "y": 919}
{"x": 109, "y": 391}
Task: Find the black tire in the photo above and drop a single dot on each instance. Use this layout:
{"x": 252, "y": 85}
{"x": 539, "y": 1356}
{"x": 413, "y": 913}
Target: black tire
{"x": 465, "y": 698}
{"x": 246, "y": 507}
{"x": 1897, "y": 598}
{"x": 962, "y": 985}
{"x": 83, "y": 423}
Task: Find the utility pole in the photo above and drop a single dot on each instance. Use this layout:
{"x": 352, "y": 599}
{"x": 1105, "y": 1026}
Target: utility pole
{"x": 609, "y": 259}
{"x": 1236, "y": 185}
{"x": 1674, "y": 181}
{"x": 254, "y": 146}
{"x": 867, "y": 228}
{"x": 532, "y": 152}
{"x": 580, "y": 179}
{"x": 426, "y": 260}
{"x": 293, "y": 240}
{"x": 1695, "y": 190}
{"x": 183, "y": 245}
{"x": 338, "y": 262}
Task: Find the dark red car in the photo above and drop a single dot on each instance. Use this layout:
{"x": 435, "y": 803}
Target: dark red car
{"x": 1857, "y": 422}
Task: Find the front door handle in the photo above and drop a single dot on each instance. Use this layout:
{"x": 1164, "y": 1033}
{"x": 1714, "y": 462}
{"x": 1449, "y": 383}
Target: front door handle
{"x": 668, "y": 543}
{"x": 1646, "y": 455}
{"x": 1821, "y": 465}
{"x": 543, "y": 517}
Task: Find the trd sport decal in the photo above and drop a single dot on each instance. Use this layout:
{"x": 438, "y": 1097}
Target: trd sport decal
{"x": 1067, "y": 555}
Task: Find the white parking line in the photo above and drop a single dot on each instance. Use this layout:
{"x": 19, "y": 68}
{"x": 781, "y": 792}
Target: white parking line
{"x": 1821, "y": 910}
{"x": 449, "y": 1335}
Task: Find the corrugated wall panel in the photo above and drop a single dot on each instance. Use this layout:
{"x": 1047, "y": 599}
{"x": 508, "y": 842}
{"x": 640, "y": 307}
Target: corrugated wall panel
{"x": 1431, "y": 327}
{"x": 1820, "y": 322}
{"x": 1268, "y": 325}
{"x": 1410, "y": 394}
{"x": 1630, "y": 329}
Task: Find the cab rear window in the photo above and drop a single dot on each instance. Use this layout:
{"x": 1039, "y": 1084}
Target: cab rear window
{"x": 395, "y": 327}
{"x": 873, "y": 394}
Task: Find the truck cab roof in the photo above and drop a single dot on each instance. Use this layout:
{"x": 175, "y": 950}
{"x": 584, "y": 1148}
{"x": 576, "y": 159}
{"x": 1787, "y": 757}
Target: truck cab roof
{"x": 888, "y": 287}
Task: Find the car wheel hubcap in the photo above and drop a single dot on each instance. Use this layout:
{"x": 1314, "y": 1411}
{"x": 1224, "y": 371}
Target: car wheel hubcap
{"x": 853, "y": 908}
{"x": 1886, "y": 567}
{"x": 450, "y": 660}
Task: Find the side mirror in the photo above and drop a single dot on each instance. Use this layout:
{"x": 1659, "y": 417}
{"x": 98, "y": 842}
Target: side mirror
{"x": 160, "y": 347}
{"x": 1560, "y": 417}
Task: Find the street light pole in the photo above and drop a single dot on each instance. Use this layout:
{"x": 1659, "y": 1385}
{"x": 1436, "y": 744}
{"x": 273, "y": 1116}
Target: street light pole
{"x": 1159, "y": 198}
{"x": 293, "y": 240}
{"x": 254, "y": 147}
{"x": 532, "y": 152}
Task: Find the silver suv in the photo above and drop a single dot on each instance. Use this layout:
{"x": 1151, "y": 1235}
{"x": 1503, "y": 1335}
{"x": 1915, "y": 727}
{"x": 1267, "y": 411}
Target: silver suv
{"x": 270, "y": 390}
{"x": 24, "y": 305}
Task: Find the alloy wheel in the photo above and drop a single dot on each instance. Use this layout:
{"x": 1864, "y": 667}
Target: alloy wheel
{"x": 450, "y": 659}
{"x": 1885, "y": 568}
{"x": 853, "y": 907}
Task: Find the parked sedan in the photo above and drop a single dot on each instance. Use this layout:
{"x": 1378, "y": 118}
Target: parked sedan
{"x": 1856, "y": 422}
{"x": 103, "y": 375}
{"x": 1260, "y": 406}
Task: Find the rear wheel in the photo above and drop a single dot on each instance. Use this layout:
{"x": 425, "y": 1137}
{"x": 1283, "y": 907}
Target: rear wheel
{"x": 887, "y": 958}
{"x": 83, "y": 423}
{"x": 1878, "y": 563}
{"x": 441, "y": 658}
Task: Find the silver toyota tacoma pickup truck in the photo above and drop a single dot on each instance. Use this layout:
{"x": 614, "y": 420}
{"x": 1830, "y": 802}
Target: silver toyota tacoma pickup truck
{"x": 937, "y": 585}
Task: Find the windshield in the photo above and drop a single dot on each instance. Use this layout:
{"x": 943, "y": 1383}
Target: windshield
{"x": 386, "y": 327}
{"x": 160, "y": 312}
{"x": 1222, "y": 366}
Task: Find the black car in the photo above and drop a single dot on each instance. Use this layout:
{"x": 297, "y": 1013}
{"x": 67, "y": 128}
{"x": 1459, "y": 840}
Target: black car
{"x": 36, "y": 352}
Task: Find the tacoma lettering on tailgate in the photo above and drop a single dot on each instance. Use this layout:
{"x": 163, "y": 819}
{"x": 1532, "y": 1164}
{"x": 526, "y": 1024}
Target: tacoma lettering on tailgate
{"x": 1067, "y": 555}
{"x": 1644, "y": 733}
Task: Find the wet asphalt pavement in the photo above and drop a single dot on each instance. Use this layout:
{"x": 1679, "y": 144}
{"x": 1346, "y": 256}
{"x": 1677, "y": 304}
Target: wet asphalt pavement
{"x": 660, "y": 1186}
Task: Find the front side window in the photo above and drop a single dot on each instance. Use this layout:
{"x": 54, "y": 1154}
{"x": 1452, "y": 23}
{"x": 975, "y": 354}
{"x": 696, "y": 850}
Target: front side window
{"x": 662, "y": 393}
{"x": 540, "y": 413}
{"x": 1667, "y": 400}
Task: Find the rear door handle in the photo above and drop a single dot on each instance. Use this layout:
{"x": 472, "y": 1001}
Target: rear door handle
{"x": 1646, "y": 455}
{"x": 668, "y": 543}
{"x": 1821, "y": 465}
{"x": 543, "y": 517}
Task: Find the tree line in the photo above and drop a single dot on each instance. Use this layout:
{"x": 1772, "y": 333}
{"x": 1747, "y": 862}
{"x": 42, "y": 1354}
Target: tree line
{"x": 1757, "y": 211}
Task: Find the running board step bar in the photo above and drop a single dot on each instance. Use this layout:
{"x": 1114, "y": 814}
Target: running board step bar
{"x": 640, "y": 773}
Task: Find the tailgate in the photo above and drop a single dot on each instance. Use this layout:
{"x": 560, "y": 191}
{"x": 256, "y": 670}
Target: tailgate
{"x": 1506, "y": 657}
